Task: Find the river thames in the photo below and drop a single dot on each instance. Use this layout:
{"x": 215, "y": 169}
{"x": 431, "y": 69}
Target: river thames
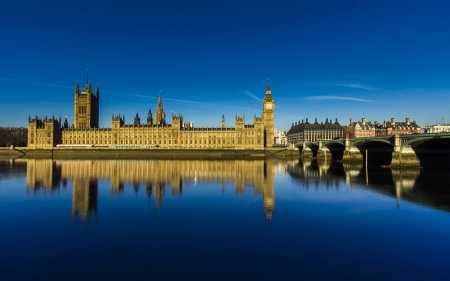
{"x": 221, "y": 220}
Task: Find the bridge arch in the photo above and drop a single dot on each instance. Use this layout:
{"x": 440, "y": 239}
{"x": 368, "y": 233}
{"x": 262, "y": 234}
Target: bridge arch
{"x": 336, "y": 149}
{"x": 379, "y": 151}
{"x": 432, "y": 151}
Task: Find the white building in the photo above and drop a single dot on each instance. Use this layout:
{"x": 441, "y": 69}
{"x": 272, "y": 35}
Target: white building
{"x": 280, "y": 137}
{"x": 435, "y": 129}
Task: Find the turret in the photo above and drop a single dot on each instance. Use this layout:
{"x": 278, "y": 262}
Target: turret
{"x": 149, "y": 118}
{"x": 137, "y": 121}
{"x": 77, "y": 89}
{"x": 223, "y": 121}
{"x": 160, "y": 115}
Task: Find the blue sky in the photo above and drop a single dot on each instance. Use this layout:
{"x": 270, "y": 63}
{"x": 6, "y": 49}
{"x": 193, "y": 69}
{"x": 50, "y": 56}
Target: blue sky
{"x": 325, "y": 59}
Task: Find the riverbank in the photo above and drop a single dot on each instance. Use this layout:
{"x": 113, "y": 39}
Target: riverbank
{"x": 109, "y": 153}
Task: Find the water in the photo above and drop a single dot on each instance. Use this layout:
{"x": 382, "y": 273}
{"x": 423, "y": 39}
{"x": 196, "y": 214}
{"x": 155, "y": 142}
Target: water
{"x": 221, "y": 220}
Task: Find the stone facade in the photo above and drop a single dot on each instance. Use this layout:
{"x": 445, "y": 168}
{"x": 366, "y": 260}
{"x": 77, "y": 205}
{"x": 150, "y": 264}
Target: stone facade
{"x": 44, "y": 133}
{"x": 311, "y": 132}
{"x": 392, "y": 127}
{"x": 361, "y": 129}
{"x": 177, "y": 134}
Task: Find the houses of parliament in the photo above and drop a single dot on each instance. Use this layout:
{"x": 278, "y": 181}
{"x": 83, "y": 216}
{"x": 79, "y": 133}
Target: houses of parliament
{"x": 155, "y": 132}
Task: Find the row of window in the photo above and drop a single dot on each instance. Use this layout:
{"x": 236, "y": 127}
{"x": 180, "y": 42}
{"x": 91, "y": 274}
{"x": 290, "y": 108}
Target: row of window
{"x": 204, "y": 135}
{"x": 160, "y": 142}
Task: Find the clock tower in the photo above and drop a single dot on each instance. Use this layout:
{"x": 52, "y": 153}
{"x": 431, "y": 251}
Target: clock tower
{"x": 268, "y": 117}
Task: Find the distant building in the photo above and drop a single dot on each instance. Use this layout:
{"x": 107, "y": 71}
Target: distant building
{"x": 280, "y": 137}
{"x": 49, "y": 132}
{"x": 393, "y": 127}
{"x": 312, "y": 132}
{"x": 361, "y": 129}
{"x": 436, "y": 129}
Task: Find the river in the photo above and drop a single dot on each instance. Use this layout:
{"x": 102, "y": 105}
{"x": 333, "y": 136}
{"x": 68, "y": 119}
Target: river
{"x": 221, "y": 220}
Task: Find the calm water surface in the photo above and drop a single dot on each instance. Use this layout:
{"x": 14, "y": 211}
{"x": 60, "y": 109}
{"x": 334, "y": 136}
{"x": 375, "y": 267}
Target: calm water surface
{"x": 221, "y": 220}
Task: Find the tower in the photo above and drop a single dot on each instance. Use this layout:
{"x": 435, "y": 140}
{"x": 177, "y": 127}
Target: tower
{"x": 86, "y": 107}
{"x": 149, "y": 118}
{"x": 137, "y": 121}
{"x": 222, "y": 124}
{"x": 268, "y": 117}
{"x": 160, "y": 115}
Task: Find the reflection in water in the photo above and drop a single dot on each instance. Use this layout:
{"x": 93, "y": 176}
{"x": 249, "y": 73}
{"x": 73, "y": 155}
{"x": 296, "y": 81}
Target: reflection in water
{"x": 422, "y": 186}
{"x": 155, "y": 175}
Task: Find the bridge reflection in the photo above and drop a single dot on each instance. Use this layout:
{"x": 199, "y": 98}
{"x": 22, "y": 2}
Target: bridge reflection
{"x": 422, "y": 186}
{"x": 163, "y": 178}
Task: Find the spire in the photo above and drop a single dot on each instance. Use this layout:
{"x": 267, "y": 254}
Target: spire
{"x": 77, "y": 88}
{"x": 87, "y": 76}
{"x": 268, "y": 90}
{"x": 97, "y": 91}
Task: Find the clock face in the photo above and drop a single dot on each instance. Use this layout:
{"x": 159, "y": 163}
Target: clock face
{"x": 269, "y": 106}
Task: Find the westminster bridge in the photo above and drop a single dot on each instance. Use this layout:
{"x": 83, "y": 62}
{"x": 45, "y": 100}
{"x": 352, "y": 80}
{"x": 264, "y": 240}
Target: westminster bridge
{"x": 412, "y": 150}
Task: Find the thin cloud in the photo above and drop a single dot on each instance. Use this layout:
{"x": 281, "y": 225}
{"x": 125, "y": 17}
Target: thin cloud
{"x": 354, "y": 86}
{"x": 336, "y": 98}
{"x": 252, "y": 96}
{"x": 193, "y": 103}
{"x": 35, "y": 83}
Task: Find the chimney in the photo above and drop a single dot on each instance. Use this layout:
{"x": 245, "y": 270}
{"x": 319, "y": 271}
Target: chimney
{"x": 292, "y": 124}
{"x": 306, "y": 120}
{"x": 336, "y": 121}
{"x": 364, "y": 121}
{"x": 315, "y": 122}
{"x": 407, "y": 121}
{"x": 326, "y": 121}
{"x": 351, "y": 121}
{"x": 393, "y": 121}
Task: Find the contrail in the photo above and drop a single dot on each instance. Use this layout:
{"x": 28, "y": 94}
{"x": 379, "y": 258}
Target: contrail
{"x": 252, "y": 96}
{"x": 194, "y": 103}
{"x": 336, "y": 98}
{"x": 35, "y": 83}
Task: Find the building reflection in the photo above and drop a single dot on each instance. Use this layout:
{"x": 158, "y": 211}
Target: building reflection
{"x": 411, "y": 184}
{"x": 157, "y": 176}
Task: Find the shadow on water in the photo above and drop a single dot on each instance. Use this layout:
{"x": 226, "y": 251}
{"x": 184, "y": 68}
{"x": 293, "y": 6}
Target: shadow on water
{"x": 162, "y": 178}
{"x": 433, "y": 153}
{"x": 337, "y": 151}
{"x": 379, "y": 153}
{"x": 428, "y": 187}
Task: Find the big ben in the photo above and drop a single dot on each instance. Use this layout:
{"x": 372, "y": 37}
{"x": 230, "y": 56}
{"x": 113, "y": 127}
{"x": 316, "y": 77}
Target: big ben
{"x": 268, "y": 117}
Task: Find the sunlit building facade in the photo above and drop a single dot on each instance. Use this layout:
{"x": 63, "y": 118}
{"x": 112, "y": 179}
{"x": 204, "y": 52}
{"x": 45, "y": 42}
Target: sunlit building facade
{"x": 156, "y": 131}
